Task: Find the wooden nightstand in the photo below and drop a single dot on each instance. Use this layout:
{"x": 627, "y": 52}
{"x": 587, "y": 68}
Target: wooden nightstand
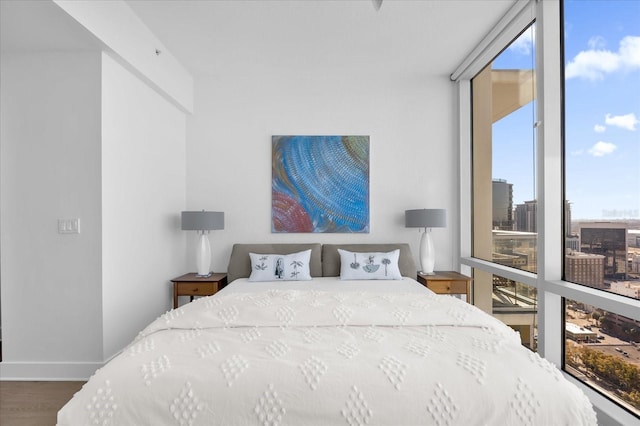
{"x": 447, "y": 282}
{"x": 192, "y": 285}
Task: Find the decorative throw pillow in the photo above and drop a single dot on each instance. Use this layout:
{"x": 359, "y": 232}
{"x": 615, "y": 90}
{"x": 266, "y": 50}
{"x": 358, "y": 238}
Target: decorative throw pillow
{"x": 369, "y": 266}
{"x": 280, "y": 267}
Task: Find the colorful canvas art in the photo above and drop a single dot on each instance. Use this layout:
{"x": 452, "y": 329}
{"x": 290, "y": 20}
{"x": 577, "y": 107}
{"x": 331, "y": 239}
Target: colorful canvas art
{"x": 320, "y": 184}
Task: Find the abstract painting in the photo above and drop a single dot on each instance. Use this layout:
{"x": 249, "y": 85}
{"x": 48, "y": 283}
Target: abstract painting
{"x": 320, "y": 184}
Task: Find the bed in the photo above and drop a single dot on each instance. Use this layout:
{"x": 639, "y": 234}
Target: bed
{"x": 327, "y": 348}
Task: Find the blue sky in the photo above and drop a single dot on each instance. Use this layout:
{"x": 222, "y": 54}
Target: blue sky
{"x": 602, "y": 106}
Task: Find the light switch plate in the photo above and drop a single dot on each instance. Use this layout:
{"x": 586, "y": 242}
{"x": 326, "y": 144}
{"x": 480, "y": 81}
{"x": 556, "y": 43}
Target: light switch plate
{"x": 69, "y": 226}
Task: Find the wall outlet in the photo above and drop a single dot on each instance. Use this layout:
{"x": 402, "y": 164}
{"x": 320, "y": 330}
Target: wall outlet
{"x": 69, "y": 226}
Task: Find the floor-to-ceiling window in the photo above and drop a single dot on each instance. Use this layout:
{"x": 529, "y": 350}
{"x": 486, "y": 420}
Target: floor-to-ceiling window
{"x": 503, "y": 97}
{"x": 602, "y": 191}
{"x": 564, "y": 282}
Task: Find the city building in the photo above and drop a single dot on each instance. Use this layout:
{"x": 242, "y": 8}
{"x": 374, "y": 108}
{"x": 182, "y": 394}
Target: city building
{"x": 579, "y": 334}
{"x": 633, "y": 238}
{"x": 502, "y": 194}
{"x": 608, "y": 239}
{"x": 526, "y": 216}
{"x": 634, "y": 264}
{"x": 567, "y": 218}
{"x": 626, "y": 288}
{"x": 585, "y": 268}
{"x": 572, "y": 243}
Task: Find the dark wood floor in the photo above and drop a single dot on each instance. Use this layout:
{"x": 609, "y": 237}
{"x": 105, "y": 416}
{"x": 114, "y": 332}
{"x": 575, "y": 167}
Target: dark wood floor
{"x": 33, "y": 403}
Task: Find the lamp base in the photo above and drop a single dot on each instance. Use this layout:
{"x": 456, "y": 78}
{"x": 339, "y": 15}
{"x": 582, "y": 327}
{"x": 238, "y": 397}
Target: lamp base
{"x": 203, "y": 256}
{"x": 204, "y": 276}
{"x": 427, "y": 255}
{"x": 426, "y": 273}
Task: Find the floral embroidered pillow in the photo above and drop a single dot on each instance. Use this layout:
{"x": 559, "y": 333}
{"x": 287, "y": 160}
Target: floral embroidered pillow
{"x": 369, "y": 266}
{"x": 280, "y": 267}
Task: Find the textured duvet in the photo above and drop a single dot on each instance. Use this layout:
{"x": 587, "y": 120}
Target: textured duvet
{"x": 291, "y": 357}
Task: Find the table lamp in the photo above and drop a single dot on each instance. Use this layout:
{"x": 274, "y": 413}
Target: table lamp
{"x": 203, "y": 222}
{"x": 427, "y": 219}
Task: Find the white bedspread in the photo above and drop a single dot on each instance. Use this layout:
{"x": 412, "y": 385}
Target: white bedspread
{"x": 314, "y": 357}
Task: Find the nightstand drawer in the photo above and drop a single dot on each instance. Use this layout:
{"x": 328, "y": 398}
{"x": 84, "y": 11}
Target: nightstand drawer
{"x": 192, "y": 285}
{"x": 444, "y": 287}
{"x": 197, "y": 289}
{"x": 447, "y": 282}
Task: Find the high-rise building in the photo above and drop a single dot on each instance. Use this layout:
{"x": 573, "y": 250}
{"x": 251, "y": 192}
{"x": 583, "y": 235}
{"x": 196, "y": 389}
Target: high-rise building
{"x": 633, "y": 238}
{"x": 634, "y": 264}
{"x": 572, "y": 243}
{"x": 584, "y": 268}
{"x": 502, "y": 193}
{"x": 608, "y": 239}
{"x": 567, "y": 218}
{"x": 526, "y": 216}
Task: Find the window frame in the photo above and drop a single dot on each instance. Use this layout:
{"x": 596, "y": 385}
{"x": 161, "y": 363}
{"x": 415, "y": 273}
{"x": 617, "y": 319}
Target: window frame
{"x": 552, "y": 290}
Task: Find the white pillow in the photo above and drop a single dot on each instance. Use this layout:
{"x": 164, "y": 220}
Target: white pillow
{"x": 369, "y": 266}
{"x": 280, "y": 267}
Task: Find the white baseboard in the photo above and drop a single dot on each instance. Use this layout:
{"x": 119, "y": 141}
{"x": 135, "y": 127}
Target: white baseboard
{"x": 48, "y": 371}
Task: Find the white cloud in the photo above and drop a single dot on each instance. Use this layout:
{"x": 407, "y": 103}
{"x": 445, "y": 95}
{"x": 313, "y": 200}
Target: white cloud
{"x": 600, "y": 149}
{"x": 599, "y": 128}
{"x": 524, "y": 43}
{"x": 592, "y": 64}
{"x": 630, "y": 52}
{"x": 595, "y": 63}
{"x": 627, "y": 121}
{"x": 577, "y": 153}
{"x": 596, "y": 43}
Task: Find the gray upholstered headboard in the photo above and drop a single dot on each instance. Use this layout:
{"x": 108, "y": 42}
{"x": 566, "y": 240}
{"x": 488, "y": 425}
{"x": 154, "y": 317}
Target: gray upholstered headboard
{"x": 325, "y": 259}
{"x": 331, "y": 257}
{"x": 240, "y": 263}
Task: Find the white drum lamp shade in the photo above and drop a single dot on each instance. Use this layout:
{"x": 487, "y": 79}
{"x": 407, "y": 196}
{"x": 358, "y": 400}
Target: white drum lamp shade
{"x": 203, "y": 222}
{"x": 427, "y": 219}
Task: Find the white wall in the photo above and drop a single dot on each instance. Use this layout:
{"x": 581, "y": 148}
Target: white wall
{"x": 50, "y": 153}
{"x": 408, "y": 117}
{"x": 143, "y": 192}
{"x": 82, "y": 137}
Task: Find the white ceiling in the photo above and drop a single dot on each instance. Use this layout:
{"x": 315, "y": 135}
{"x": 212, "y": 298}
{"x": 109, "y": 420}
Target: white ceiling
{"x": 428, "y": 36}
{"x": 211, "y": 36}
